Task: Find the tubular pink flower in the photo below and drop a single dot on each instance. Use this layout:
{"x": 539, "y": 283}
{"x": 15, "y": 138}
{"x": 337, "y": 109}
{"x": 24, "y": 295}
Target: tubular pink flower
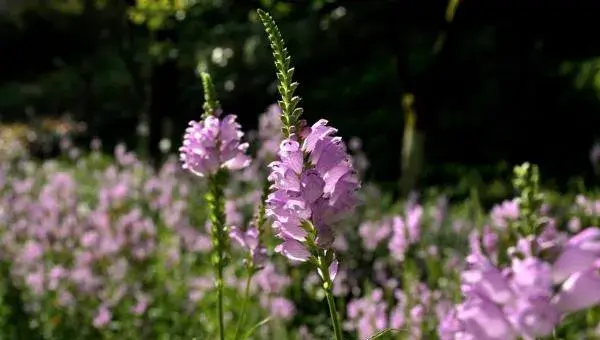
{"x": 580, "y": 291}
{"x": 249, "y": 240}
{"x": 313, "y": 180}
{"x": 579, "y": 253}
{"x": 213, "y": 143}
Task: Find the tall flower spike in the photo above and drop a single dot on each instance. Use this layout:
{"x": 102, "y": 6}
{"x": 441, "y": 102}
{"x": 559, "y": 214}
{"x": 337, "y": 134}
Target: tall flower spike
{"x": 314, "y": 186}
{"x": 291, "y": 112}
{"x": 213, "y": 143}
{"x": 210, "y": 146}
{"x": 313, "y": 181}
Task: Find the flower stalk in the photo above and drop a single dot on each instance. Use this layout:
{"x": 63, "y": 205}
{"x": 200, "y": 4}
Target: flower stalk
{"x": 313, "y": 181}
{"x": 324, "y": 265}
{"x": 215, "y": 199}
{"x": 244, "y": 304}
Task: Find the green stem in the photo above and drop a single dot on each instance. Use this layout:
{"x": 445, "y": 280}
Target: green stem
{"x": 220, "y": 302}
{"x": 328, "y": 286}
{"x": 335, "y": 319}
{"x": 216, "y": 202}
{"x": 244, "y": 303}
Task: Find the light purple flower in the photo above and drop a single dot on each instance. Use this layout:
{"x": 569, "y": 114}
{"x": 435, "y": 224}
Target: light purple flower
{"x": 249, "y": 239}
{"x": 293, "y": 250}
{"x": 57, "y": 273}
{"x": 579, "y": 253}
{"x": 269, "y": 132}
{"x": 341, "y": 285}
{"x": 450, "y": 327}
{"x": 279, "y": 307}
{"x": 484, "y": 243}
{"x": 533, "y": 317}
{"x": 484, "y": 320}
{"x": 580, "y": 291}
{"x": 359, "y": 159}
{"x": 489, "y": 240}
{"x": 417, "y": 313}
{"x": 102, "y": 318}
{"x": 574, "y": 225}
{"x": 368, "y": 315}
{"x": 487, "y": 280}
{"x": 505, "y": 213}
{"x": 314, "y": 181}
{"x": 270, "y": 282}
{"x": 232, "y": 213}
{"x": 213, "y": 143}
{"x": 32, "y": 251}
{"x": 35, "y": 281}
{"x": 413, "y": 222}
{"x": 399, "y": 242}
{"x": 141, "y": 306}
{"x": 532, "y": 277}
{"x": 397, "y": 317}
{"x": 333, "y": 270}
{"x": 304, "y": 333}
{"x": 372, "y": 233}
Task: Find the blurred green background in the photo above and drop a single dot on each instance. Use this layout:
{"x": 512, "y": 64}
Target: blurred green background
{"x": 466, "y": 88}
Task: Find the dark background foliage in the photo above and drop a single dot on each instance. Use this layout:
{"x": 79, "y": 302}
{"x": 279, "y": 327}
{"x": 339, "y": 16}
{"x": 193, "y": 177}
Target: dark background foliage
{"x": 500, "y": 83}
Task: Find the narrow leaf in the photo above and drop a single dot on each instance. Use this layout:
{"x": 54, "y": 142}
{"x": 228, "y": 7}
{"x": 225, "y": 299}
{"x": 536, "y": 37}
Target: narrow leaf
{"x": 383, "y": 332}
{"x": 257, "y": 326}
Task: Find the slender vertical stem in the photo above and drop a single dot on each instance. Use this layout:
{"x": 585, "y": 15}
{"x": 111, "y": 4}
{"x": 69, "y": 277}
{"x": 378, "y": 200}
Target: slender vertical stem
{"x": 328, "y": 286}
{"x": 244, "y": 303}
{"x": 335, "y": 319}
{"x": 220, "y": 302}
{"x": 216, "y": 202}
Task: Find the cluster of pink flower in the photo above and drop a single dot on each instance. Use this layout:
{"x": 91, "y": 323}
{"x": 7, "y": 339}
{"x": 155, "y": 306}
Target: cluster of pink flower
{"x": 114, "y": 243}
{"x": 401, "y": 302}
{"x": 549, "y": 276}
{"x": 407, "y": 312}
{"x": 95, "y": 244}
{"x": 120, "y": 243}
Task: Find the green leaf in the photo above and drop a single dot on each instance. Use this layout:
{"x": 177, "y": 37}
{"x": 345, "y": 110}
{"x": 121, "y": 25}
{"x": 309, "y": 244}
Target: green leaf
{"x": 257, "y": 326}
{"x": 383, "y": 332}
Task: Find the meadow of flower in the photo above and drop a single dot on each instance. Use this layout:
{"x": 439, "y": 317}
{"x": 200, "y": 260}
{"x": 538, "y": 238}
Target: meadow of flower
{"x": 278, "y": 237}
